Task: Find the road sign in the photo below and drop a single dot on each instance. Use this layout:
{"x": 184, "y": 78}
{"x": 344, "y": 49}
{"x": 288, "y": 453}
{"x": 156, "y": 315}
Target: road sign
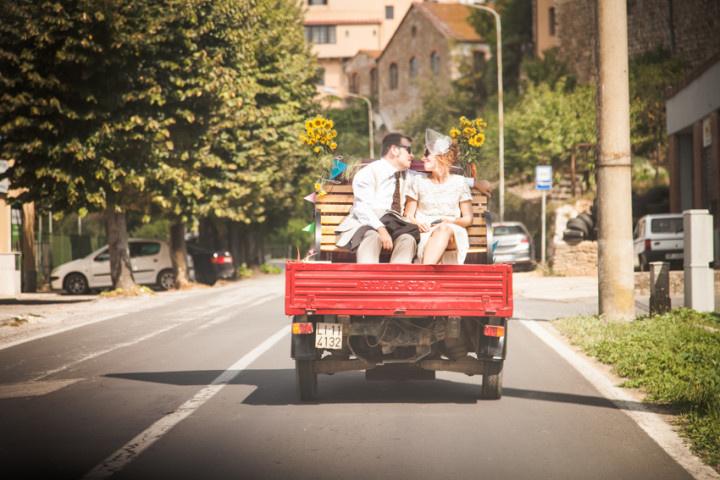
{"x": 543, "y": 177}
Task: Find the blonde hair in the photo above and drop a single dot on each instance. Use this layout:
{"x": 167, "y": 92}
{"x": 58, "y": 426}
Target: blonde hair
{"x": 447, "y": 159}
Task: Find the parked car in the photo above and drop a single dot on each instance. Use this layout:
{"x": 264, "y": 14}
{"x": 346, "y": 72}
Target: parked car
{"x": 209, "y": 266}
{"x": 149, "y": 259}
{"x": 513, "y": 244}
{"x": 658, "y": 237}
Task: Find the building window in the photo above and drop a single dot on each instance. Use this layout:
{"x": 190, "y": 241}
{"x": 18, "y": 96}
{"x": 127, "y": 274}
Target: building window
{"x": 320, "y": 76}
{"x": 373, "y": 82}
{"x": 435, "y": 63}
{"x": 551, "y": 21}
{"x": 353, "y": 83}
{"x": 320, "y": 33}
{"x": 393, "y": 76}
{"x": 317, "y": 2}
{"x": 478, "y": 60}
{"x": 413, "y": 67}
{"x": 413, "y": 31}
{"x": 389, "y": 12}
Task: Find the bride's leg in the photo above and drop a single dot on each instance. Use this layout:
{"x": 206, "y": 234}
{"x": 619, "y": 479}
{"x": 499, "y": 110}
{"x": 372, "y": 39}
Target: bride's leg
{"x": 437, "y": 244}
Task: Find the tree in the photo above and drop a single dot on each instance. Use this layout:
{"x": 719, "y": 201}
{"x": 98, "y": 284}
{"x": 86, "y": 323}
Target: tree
{"x": 547, "y": 123}
{"x": 517, "y": 40}
{"x": 651, "y": 76}
{"x": 75, "y": 114}
{"x": 268, "y": 161}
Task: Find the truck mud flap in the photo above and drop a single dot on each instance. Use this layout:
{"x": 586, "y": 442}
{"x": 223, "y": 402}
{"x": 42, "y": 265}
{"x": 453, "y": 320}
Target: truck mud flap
{"x": 302, "y": 347}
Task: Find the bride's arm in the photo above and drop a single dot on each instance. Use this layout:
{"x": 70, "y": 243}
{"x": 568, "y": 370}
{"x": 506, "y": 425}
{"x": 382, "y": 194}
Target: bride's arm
{"x": 410, "y": 209}
{"x": 466, "y": 215}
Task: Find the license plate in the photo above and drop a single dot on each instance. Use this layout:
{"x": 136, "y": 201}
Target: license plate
{"x": 674, "y": 256}
{"x": 328, "y": 335}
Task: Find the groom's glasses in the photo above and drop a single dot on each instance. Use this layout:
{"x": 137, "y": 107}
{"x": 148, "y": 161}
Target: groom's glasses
{"x": 406, "y": 147}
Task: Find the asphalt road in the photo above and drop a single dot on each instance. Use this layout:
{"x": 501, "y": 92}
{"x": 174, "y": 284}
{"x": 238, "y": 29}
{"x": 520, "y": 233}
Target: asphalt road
{"x": 203, "y": 387}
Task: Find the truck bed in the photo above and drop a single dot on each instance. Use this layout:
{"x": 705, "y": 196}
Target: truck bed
{"x": 392, "y": 289}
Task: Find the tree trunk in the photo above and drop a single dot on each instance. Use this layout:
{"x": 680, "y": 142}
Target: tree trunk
{"x": 117, "y": 238}
{"x": 29, "y": 272}
{"x": 178, "y": 252}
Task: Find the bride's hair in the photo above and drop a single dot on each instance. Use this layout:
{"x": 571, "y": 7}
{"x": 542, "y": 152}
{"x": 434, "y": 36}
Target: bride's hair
{"x": 449, "y": 158}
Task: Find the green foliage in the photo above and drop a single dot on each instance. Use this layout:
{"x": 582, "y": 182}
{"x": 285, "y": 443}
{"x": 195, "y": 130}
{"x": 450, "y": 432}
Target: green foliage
{"x": 547, "y": 123}
{"x": 158, "y": 229}
{"x": 270, "y": 269}
{"x": 243, "y": 271}
{"x": 651, "y": 76}
{"x": 516, "y": 41}
{"x": 549, "y": 69}
{"x": 351, "y": 124}
{"x": 674, "y": 357}
{"x": 189, "y": 106}
{"x": 74, "y": 114}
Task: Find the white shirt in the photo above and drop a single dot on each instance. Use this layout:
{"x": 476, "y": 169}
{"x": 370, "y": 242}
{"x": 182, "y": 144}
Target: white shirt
{"x": 373, "y": 189}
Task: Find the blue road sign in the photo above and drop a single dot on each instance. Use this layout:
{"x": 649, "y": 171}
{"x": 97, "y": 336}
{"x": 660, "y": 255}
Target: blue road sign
{"x": 543, "y": 177}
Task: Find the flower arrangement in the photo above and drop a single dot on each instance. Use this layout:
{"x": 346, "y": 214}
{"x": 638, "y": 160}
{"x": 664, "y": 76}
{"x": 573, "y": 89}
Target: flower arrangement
{"x": 470, "y": 136}
{"x": 320, "y": 135}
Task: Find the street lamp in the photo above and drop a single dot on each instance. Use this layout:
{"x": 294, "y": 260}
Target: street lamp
{"x": 332, "y": 91}
{"x": 501, "y": 120}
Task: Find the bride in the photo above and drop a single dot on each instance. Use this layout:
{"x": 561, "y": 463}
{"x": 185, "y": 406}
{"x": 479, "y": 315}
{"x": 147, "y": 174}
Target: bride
{"x": 440, "y": 204}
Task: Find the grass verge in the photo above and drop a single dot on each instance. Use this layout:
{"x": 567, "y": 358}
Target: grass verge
{"x": 674, "y": 358}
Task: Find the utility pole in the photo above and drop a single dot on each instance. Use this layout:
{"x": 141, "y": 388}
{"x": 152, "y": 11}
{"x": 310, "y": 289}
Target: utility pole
{"x": 615, "y": 247}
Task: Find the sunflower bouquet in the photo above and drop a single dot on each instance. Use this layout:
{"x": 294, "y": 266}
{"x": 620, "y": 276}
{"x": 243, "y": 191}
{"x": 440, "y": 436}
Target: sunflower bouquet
{"x": 470, "y": 136}
{"x": 320, "y": 135}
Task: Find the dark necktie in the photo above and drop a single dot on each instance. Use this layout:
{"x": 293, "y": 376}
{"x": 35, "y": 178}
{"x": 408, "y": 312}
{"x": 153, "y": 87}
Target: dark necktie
{"x": 396, "y": 206}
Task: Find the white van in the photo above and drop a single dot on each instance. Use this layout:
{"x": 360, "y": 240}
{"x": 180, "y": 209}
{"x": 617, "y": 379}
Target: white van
{"x": 150, "y": 261}
{"x": 658, "y": 237}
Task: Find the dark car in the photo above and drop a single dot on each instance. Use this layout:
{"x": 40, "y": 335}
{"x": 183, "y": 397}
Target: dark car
{"x": 209, "y": 266}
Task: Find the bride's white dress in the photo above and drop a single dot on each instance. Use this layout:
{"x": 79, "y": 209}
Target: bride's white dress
{"x": 437, "y": 200}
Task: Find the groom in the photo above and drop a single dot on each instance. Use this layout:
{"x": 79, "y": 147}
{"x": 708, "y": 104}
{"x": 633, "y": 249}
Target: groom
{"x": 374, "y": 223}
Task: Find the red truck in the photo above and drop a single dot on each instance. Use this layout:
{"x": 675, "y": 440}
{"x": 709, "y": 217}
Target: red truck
{"x": 397, "y": 321}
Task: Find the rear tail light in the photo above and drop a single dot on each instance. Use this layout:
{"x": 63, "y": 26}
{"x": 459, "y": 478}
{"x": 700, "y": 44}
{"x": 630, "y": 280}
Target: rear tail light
{"x": 302, "y": 328}
{"x": 648, "y": 245}
{"x": 220, "y": 259}
{"x": 524, "y": 240}
{"x": 494, "y": 331}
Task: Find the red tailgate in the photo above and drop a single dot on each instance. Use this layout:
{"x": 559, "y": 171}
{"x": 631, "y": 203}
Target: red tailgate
{"x": 387, "y": 289}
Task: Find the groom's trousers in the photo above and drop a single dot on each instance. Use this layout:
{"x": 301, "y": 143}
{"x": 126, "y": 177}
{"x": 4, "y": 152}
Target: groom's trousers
{"x": 404, "y": 248}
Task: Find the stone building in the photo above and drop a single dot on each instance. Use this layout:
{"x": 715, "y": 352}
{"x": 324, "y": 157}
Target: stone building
{"x": 687, "y": 29}
{"x": 426, "y": 51}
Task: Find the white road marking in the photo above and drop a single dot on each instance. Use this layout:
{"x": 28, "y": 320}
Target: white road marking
{"x": 128, "y": 452}
{"x": 233, "y": 315}
{"x": 244, "y": 304}
{"x": 650, "y": 422}
{"x": 33, "y": 388}
{"x": 98, "y": 353}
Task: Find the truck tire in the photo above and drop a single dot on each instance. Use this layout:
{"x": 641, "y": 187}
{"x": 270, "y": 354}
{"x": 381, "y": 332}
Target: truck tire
{"x": 306, "y": 380}
{"x": 492, "y": 382}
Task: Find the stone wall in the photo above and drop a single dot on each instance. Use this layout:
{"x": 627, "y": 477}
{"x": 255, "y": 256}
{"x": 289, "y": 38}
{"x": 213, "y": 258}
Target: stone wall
{"x": 686, "y": 28}
{"x": 575, "y": 260}
{"x": 576, "y": 27}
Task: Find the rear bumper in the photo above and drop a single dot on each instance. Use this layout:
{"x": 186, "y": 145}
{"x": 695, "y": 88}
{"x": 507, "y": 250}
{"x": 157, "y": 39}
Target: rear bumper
{"x": 664, "y": 255}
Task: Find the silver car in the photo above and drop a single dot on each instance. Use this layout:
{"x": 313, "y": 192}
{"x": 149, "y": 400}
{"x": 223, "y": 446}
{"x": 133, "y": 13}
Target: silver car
{"x": 513, "y": 244}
